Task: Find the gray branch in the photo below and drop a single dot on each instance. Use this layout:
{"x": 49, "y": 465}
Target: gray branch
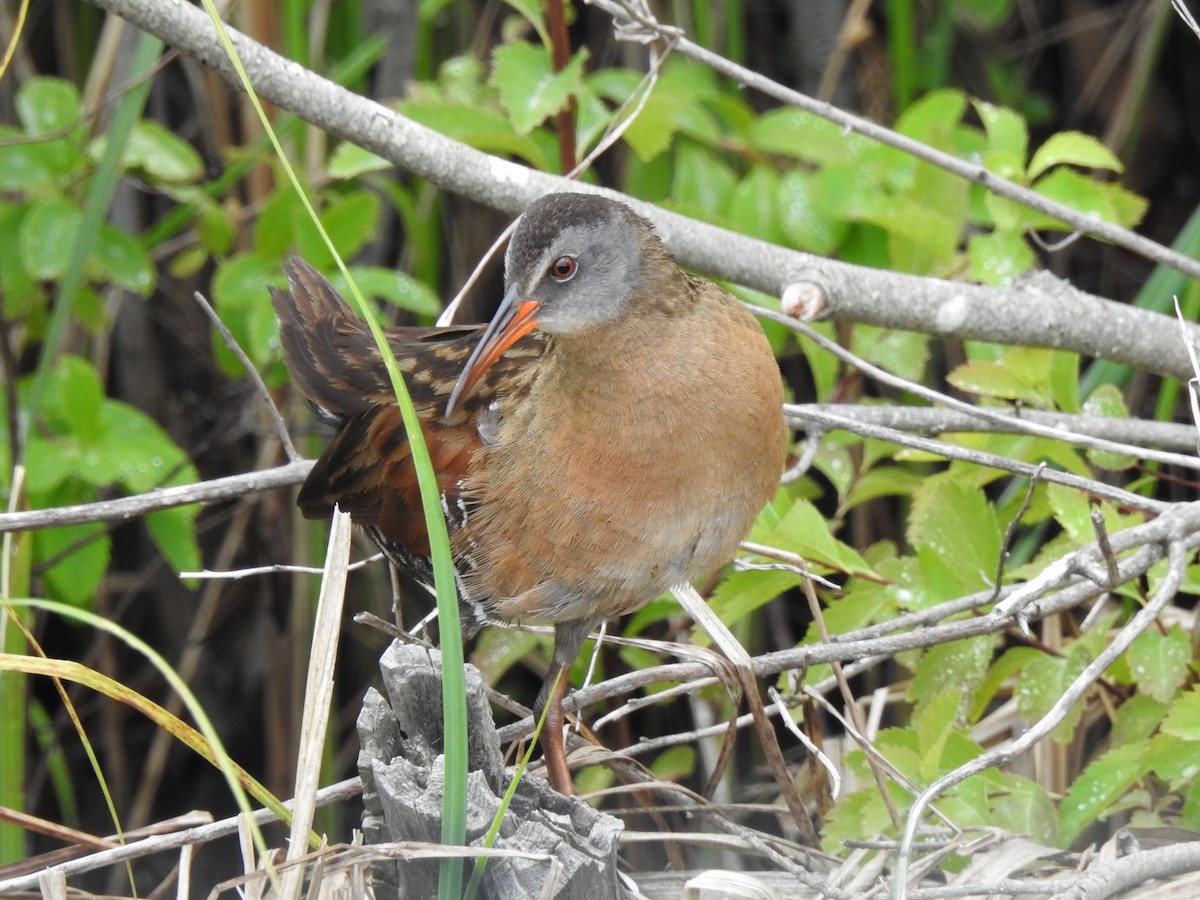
{"x": 1041, "y": 311}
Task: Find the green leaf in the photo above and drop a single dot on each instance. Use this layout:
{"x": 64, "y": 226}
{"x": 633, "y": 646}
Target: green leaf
{"x": 803, "y": 135}
{"x": 803, "y": 530}
{"x": 394, "y": 287}
{"x": 1022, "y": 806}
{"x": 240, "y": 294}
{"x": 1076, "y": 149}
{"x": 905, "y": 353}
{"x": 122, "y": 260}
{"x": 163, "y": 155}
{"x": 350, "y": 161}
{"x": 349, "y": 220}
{"x": 85, "y": 553}
{"x": 743, "y": 592}
{"x": 1176, "y": 760}
{"x": 995, "y": 379}
{"x": 1183, "y": 716}
{"x": 957, "y": 667}
{"x": 147, "y": 457}
{"x": 702, "y": 184}
{"x": 174, "y": 533}
{"x": 674, "y": 764}
{"x": 482, "y": 129}
{"x": 954, "y": 528}
{"x": 75, "y": 394}
{"x": 1136, "y": 719}
{"x": 934, "y": 721}
{"x": 1159, "y": 663}
{"x": 1043, "y": 681}
{"x": 46, "y": 105}
{"x": 533, "y": 11}
{"x": 1110, "y": 202}
{"x": 1102, "y": 783}
{"x": 1006, "y": 132}
{"x": 804, "y": 223}
{"x": 530, "y": 90}
{"x": 1108, "y": 401}
{"x": 47, "y": 233}
{"x": 934, "y": 117}
{"x": 752, "y": 208}
{"x": 276, "y": 225}
{"x": 999, "y": 258}
{"x": 24, "y": 165}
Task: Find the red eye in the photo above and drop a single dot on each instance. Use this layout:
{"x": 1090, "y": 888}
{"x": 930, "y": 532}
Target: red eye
{"x": 563, "y": 268}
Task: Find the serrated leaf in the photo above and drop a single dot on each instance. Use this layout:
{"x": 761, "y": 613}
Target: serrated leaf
{"x": 533, "y": 13}
{"x": 46, "y": 105}
{"x": 174, "y": 533}
{"x": 530, "y": 90}
{"x": 240, "y": 294}
{"x": 1183, "y": 716}
{"x": 1159, "y": 663}
{"x": 933, "y": 118}
{"x": 1136, "y": 719}
{"x": 954, "y": 524}
{"x": 1110, "y": 202}
{"x": 47, "y": 235}
{"x": 1102, "y": 783}
{"x": 701, "y": 182}
{"x": 803, "y": 530}
{"x": 276, "y": 224}
{"x": 1006, "y": 131}
{"x": 1022, "y": 806}
{"x": 82, "y": 552}
{"x": 1043, "y": 681}
{"x": 1174, "y": 759}
{"x": 73, "y": 399}
{"x": 805, "y": 136}
{"x": 934, "y": 720}
{"x": 955, "y": 666}
{"x": 1076, "y": 149}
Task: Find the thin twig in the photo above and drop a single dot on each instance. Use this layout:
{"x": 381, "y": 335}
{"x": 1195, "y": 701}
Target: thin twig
{"x": 272, "y": 410}
{"x": 625, "y": 12}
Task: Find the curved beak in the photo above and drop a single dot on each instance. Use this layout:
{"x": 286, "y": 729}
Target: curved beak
{"x": 515, "y": 318}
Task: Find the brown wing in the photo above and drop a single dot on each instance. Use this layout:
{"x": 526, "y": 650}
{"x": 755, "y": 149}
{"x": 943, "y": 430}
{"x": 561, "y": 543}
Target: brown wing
{"x": 368, "y": 470}
{"x": 333, "y": 357}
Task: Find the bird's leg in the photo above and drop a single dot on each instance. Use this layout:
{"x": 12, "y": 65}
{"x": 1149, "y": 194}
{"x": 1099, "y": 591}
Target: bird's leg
{"x": 568, "y": 639}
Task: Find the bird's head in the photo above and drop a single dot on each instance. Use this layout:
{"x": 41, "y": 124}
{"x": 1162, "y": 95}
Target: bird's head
{"x": 573, "y": 264}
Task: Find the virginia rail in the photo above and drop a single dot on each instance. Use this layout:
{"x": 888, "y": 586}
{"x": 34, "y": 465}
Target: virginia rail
{"x": 611, "y": 433}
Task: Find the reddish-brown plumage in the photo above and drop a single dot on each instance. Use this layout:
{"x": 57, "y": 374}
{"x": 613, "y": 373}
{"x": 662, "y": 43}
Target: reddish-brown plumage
{"x": 623, "y": 447}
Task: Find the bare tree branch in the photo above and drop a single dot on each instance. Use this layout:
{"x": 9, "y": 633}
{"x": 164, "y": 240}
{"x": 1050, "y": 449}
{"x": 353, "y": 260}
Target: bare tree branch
{"x": 1040, "y": 311}
{"x": 625, "y": 13}
{"x": 230, "y": 487}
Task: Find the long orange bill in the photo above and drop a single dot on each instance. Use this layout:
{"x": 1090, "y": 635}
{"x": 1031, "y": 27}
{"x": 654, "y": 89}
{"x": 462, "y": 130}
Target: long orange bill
{"x": 513, "y": 320}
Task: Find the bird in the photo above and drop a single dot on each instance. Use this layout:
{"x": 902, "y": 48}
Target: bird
{"x": 611, "y": 433}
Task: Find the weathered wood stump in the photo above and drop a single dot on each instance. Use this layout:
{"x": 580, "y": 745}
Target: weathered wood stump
{"x": 401, "y": 765}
